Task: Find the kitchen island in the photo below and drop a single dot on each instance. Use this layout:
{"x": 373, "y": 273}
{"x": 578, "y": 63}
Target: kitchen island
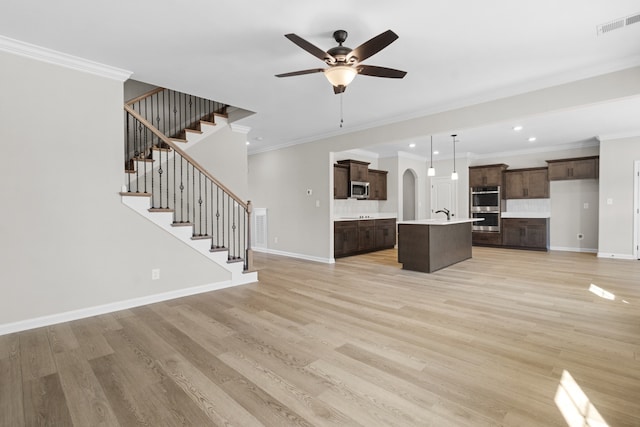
{"x": 429, "y": 245}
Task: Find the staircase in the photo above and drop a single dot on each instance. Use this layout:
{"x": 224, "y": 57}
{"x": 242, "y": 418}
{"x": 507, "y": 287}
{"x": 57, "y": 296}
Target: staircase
{"x": 169, "y": 188}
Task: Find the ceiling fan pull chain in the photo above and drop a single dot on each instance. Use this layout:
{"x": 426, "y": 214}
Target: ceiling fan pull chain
{"x": 341, "y": 111}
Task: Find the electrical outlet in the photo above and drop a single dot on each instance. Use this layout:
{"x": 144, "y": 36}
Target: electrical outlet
{"x": 317, "y": 203}
{"x": 586, "y": 205}
{"x": 275, "y": 240}
{"x": 155, "y": 274}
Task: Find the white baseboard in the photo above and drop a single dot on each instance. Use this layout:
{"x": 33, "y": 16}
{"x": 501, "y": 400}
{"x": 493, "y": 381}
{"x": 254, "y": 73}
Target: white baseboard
{"x": 82, "y": 313}
{"x": 568, "y": 249}
{"x": 615, "y": 256}
{"x": 295, "y": 255}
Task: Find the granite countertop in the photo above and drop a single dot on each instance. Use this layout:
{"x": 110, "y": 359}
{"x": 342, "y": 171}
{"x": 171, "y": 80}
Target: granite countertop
{"x": 525, "y": 215}
{"x": 439, "y": 221}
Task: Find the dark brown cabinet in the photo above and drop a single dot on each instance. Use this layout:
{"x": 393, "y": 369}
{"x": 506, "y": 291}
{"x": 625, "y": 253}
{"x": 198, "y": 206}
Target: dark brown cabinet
{"x": 340, "y": 182}
{"x": 480, "y": 238}
{"x": 345, "y": 238}
{"x": 377, "y": 184}
{"x": 385, "y": 233}
{"x": 531, "y": 183}
{"x": 366, "y": 235}
{"x": 355, "y": 237}
{"x": 358, "y": 171}
{"x": 488, "y": 175}
{"x": 577, "y": 168}
{"x": 354, "y": 170}
{"x": 526, "y": 233}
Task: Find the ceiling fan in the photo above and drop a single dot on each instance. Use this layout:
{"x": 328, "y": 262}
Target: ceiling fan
{"x": 345, "y": 63}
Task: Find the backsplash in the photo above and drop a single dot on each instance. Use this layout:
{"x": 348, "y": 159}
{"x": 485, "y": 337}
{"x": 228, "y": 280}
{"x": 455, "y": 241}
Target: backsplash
{"x": 351, "y": 207}
{"x": 529, "y": 205}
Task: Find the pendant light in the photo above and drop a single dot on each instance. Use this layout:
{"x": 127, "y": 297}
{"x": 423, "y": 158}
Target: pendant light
{"x": 431, "y": 171}
{"x": 454, "y": 174}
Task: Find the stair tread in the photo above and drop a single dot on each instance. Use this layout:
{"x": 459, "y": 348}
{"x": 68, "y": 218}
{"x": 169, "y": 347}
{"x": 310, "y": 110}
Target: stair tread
{"x": 178, "y": 140}
{"x": 160, "y": 149}
{"x": 202, "y": 237}
{"x": 142, "y": 159}
{"x": 133, "y": 193}
{"x": 161, "y": 210}
{"x": 208, "y": 122}
{"x": 193, "y": 131}
{"x": 181, "y": 224}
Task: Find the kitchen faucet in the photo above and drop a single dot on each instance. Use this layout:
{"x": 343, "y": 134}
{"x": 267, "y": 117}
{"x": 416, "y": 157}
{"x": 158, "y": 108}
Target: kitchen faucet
{"x": 446, "y": 212}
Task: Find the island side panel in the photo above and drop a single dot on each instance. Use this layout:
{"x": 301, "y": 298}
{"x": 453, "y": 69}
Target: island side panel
{"x": 449, "y": 244}
{"x": 413, "y": 247}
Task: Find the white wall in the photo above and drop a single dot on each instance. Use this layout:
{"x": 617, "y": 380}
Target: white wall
{"x": 224, "y": 155}
{"x": 67, "y": 241}
{"x": 617, "y": 157}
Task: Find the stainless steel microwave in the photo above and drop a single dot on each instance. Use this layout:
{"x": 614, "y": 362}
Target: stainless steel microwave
{"x": 359, "y": 190}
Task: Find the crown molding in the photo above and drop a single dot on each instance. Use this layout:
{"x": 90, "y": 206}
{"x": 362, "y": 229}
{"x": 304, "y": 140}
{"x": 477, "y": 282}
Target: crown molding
{"x": 632, "y": 134}
{"x": 544, "y": 149}
{"x": 50, "y": 56}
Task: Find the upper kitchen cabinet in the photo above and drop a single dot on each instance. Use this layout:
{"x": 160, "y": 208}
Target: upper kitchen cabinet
{"x": 377, "y": 184}
{"x": 340, "y": 181}
{"x": 577, "y": 168}
{"x": 358, "y": 171}
{"x": 487, "y": 175}
{"x": 531, "y": 183}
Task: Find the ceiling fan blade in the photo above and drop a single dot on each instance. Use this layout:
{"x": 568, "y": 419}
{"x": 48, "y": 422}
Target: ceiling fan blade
{"x": 373, "y": 46}
{"x": 312, "y": 49}
{"x": 339, "y": 89}
{"x": 299, "y": 73}
{"x": 372, "y": 70}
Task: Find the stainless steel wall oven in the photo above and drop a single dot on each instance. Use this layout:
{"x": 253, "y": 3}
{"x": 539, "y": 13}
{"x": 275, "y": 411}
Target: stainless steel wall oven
{"x": 485, "y": 203}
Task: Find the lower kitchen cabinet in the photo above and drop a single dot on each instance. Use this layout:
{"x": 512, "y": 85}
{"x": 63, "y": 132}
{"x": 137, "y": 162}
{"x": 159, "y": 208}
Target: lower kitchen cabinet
{"x": 355, "y": 237}
{"x": 345, "y": 238}
{"x": 526, "y": 233}
{"x": 486, "y": 238}
{"x": 385, "y": 233}
{"x": 366, "y": 236}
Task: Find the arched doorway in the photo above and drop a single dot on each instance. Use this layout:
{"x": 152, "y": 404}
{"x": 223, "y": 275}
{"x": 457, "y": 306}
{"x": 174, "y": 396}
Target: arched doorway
{"x": 408, "y": 195}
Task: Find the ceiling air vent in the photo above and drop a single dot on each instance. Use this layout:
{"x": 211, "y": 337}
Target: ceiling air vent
{"x": 617, "y": 24}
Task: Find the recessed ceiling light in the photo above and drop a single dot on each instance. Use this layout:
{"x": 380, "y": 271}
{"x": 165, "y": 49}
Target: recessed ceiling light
{"x": 436, "y": 152}
{"x": 532, "y": 139}
{"x": 412, "y": 145}
{"x": 259, "y": 138}
{"x": 248, "y": 143}
{"x": 517, "y": 128}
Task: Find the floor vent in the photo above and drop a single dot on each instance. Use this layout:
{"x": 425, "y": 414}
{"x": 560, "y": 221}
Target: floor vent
{"x": 617, "y": 24}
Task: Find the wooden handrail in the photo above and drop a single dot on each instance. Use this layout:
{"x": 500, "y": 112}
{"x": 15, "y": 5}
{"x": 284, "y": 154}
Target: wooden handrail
{"x": 185, "y": 156}
{"x": 144, "y": 95}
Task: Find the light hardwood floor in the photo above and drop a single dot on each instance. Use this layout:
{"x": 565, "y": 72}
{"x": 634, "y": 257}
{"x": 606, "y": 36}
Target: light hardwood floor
{"x": 507, "y": 338}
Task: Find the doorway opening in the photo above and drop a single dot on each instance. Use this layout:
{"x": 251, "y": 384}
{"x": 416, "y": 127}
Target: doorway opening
{"x": 408, "y": 195}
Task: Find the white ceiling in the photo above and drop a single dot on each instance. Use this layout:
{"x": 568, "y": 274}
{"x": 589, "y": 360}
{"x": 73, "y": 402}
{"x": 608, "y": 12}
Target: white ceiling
{"x": 455, "y": 52}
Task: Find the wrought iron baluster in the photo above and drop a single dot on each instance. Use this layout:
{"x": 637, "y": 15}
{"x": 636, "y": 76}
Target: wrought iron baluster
{"x": 206, "y": 208}
{"x": 193, "y": 194}
{"x": 181, "y": 190}
{"x": 188, "y": 211}
{"x": 199, "y": 203}
{"x": 168, "y": 171}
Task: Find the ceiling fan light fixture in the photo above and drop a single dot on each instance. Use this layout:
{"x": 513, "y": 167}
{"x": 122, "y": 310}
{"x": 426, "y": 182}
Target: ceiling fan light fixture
{"x": 340, "y": 75}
